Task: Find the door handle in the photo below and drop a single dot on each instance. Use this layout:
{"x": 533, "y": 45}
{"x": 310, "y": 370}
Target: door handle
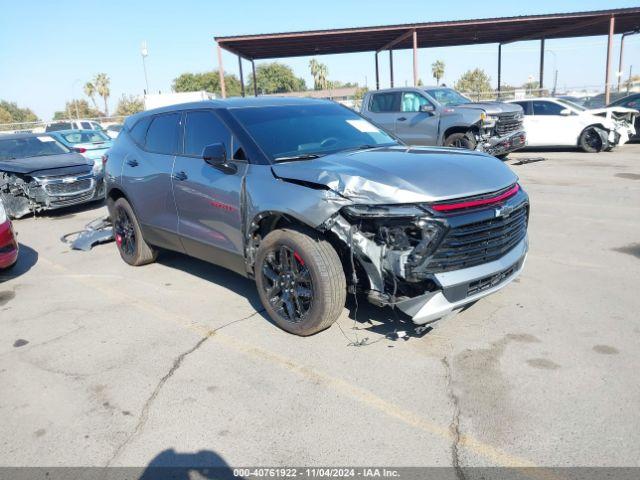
{"x": 181, "y": 176}
{"x": 132, "y": 162}
{"x": 402, "y": 119}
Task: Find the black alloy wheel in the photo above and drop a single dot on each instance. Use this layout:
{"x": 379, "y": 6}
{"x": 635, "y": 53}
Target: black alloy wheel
{"x": 125, "y": 233}
{"x": 287, "y": 284}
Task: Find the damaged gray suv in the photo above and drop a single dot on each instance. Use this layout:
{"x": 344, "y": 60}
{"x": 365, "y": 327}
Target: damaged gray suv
{"x": 311, "y": 200}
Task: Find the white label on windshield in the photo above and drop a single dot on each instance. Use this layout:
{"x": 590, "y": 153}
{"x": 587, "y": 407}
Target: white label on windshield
{"x": 46, "y": 139}
{"x": 363, "y": 126}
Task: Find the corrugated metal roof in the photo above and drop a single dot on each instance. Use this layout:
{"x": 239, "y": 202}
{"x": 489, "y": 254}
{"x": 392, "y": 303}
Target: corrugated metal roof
{"x": 431, "y": 34}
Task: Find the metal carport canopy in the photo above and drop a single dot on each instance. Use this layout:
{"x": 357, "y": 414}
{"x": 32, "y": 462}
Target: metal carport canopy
{"x": 500, "y": 30}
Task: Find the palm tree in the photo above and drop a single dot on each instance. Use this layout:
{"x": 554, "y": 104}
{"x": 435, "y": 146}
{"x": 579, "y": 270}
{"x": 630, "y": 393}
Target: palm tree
{"x": 90, "y": 91}
{"x": 319, "y": 72}
{"x": 437, "y": 69}
{"x": 102, "y": 87}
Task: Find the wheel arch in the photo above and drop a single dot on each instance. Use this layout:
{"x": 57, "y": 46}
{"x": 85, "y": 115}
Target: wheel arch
{"x": 458, "y": 129}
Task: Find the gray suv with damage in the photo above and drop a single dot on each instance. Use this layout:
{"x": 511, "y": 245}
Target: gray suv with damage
{"x": 442, "y": 116}
{"x": 312, "y": 201}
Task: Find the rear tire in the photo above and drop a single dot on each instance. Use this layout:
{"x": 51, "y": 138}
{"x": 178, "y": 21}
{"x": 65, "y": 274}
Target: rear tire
{"x": 461, "y": 140}
{"x": 131, "y": 245}
{"x": 300, "y": 281}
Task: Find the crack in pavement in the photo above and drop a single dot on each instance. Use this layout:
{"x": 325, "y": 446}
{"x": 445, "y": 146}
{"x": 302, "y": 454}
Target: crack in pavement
{"x": 144, "y": 414}
{"x": 454, "y": 425}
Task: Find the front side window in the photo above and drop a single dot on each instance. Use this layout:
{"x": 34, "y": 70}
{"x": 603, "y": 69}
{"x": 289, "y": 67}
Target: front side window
{"x": 547, "y": 108}
{"x": 412, "y": 102}
{"x": 38, "y": 146}
{"x": 297, "y": 131}
{"x": 203, "y": 128}
{"x": 162, "y": 136}
{"x": 526, "y": 107}
{"x": 385, "y": 102}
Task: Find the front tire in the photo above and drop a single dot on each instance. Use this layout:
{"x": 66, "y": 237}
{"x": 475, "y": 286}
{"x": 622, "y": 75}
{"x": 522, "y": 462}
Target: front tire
{"x": 461, "y": 140}
{"x": 126, "y": 229}
{"x": 590, "y": 141}
{"x": 300, "y": 281}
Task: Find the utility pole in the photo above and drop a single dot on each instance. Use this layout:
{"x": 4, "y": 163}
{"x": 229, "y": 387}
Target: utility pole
{"x": 144, "y": 52}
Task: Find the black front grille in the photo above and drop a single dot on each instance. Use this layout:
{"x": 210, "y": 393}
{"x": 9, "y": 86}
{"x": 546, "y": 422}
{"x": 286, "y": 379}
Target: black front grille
{"x": 480, "y": 242}
{"x": 508, "y": 123}
{"x": 75, "y": 187}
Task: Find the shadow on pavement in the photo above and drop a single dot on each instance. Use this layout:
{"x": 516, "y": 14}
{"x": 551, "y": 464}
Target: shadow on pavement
{"x": 214, "y": 274}
{"x": 170, "y": 464}
{"x": 27, "y": 258}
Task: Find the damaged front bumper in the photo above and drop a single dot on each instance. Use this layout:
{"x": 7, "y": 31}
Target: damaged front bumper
{"x": 462, "y": 287}
{"x": 26, "y": 195}
{"x": 502, "y": 145}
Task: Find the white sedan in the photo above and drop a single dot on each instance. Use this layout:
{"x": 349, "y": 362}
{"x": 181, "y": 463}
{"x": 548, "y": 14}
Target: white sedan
{"x": 554, "y": 122}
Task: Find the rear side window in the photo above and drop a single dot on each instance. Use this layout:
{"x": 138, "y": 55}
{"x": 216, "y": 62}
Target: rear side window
{"x": 204, "y": 128}
{"x": 139, "y": 130}
{"x": 385, "y": 102}
{"x": 546, "y": 108}
{"x": 162, "y": 136}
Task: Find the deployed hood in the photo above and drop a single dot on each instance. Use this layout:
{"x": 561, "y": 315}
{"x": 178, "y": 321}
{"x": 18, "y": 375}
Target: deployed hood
{"x": 48, "y": 164}
{"x": 493, "y": 108}
{"x": 402, "y": 175}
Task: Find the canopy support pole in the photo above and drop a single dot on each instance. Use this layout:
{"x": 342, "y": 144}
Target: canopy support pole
{"x": 255, "y": 79}
{"x": 391, "y": 67}
{"x": 499, "y": 69}
{"x": 541, "y": 81}
{"x": 377, "y": 73}
{"x": 415, "y": 58}
{"x": 241, "y": 76}
{"x": 607, "y": 77}
{"x": 223, "y": 90}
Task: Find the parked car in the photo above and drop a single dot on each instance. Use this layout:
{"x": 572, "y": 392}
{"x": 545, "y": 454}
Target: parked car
{"x": 306, "y": 197}
{"x": 442, "y": 116}
{"x": 8, "y": 242}
{"x": 630, "y": 101}
{"x": 73, "y": 125}
{"x": 113, "y": 130}
{"x": 598, "y": 101}
{"x": 91, "y": 144}
{"x": 39, "y": 173}
{"x": 553, "y": 122}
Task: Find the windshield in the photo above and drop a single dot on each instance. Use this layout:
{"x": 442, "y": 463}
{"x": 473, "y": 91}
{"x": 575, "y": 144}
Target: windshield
{"x": 42, "y": 145}
{"x": 571, "y": 104}
{"x": 447, "y": 96}
{"x": 85, "y": 137}
{"x": 291, "y": 132}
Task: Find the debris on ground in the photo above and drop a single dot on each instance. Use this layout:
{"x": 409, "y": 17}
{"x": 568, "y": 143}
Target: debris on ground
{"x": 95, "y": 232}
{"x": 525, "y": 160}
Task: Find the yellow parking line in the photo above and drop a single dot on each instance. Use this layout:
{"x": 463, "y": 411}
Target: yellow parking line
{"x": 361, "y": 395}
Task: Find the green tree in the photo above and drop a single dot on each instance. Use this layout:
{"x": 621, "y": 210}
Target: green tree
{"x": 11, "y": 113}
{"x": 319, "y": 72}
{"x": 128, "y": 105}
{"x": 102, "y": 83}
{"x": 83, "y": 111}
{"x": 207, "y": 81}
{"x": 276, "y": 78}
{"x": 474, "y": 81}
{"x": 420, "y": 84}
{"x": 90, "y": 91}
{"x": 359, "y": 95}
{"x": 437, "y": 70}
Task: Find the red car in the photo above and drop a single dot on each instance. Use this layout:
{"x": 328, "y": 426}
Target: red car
{"x": 8, "y": 243}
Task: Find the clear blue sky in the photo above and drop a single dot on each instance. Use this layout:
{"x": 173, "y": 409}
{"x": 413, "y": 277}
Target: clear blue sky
{"x": 50, "y": 48}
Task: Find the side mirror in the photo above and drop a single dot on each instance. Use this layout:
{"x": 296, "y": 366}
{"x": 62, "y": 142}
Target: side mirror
{"x": 427, "y": 108}
{"x": 565, "y": 113}
{"x": 215, "y": 154}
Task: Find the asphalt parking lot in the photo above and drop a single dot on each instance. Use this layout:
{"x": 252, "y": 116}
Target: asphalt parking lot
{"x": 105, "y": 364}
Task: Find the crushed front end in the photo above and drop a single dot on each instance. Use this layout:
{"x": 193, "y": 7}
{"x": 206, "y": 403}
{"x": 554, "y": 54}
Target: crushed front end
{"x": 429, "y": 260}
{"x": 500, "y": 134}
{"x": 23, "y": 194}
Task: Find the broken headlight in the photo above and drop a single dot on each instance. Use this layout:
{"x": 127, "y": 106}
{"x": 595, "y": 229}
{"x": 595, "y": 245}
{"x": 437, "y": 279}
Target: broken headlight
{"x": 488, "y": 120}
{"x": 399, "y": 227}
